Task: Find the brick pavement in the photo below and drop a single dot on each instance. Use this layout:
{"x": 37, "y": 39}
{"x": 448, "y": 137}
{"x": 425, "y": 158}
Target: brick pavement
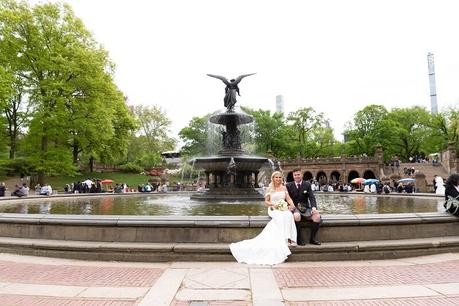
{"x": 441, "y": 301}
{"x": 213, "y": 303}
{"x": 438, "y": 273}
{"x": 16, "y": 300}
{"x": 30, "y": 281}
{"x": 77, "y": 275}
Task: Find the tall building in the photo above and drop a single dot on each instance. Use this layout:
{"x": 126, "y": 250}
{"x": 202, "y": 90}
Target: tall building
{"x": 280, "y": 104}
{"x": 433, "y": 90}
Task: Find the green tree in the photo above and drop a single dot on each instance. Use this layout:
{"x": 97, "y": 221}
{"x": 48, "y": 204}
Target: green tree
{"x": 304, "y": 121}
{"x": 195, "y": 136}
{"x": 444, "y": 130}
{"x": 69, "y": 83}
{"x": 271, "y": 133}
{"x": 323, "y": 143}
{"x": 154, "y": 125}
{"x": 313, "y": 138}
{"x": 14, "y": 106}
{"x": 412, "y": 130}
{"x": 151, "y": 136}
{"x": 371, "y": 126}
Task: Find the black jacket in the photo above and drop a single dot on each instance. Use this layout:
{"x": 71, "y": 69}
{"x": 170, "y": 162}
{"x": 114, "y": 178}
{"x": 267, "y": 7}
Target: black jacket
{"x": 451, "y": 191}
{"x": 2, "y": 191}
{"x": 304, "y": 195}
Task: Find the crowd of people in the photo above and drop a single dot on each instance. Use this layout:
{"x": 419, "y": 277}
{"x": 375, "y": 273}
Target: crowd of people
{"x": 22, "y": 190}
{"x": 96, "y": 186}
{"x": 376, "y": 187}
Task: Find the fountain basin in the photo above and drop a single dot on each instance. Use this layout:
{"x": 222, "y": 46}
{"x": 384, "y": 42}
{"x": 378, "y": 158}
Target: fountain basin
{"x": 207, "y": 238}
{"x": 200, "y": 238}
{"x": 231, "y": 116}
{"x": 220, "y": 163}
{"x": 179, "y": 204}
{"x": 237, "y": 184}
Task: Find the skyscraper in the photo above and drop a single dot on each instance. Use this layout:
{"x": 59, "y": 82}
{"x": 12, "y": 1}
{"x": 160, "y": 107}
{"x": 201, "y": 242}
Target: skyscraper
{"x": 433, "y": 90}
{"x": 280, "y": 104}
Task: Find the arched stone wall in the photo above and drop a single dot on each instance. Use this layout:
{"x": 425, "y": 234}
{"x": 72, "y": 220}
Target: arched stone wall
{"x": 289, "y": 177}
{"x": 307, "y": 175}
{"x": 352, "y": 175}
{"x": 346, "y": 167}
{"x": 321, "y": 177}
{"x": 335, "y": 176}
{"x": 368, "y": 174}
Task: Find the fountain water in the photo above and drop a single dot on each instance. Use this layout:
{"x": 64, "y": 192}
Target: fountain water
{"x": 223, "y": 181}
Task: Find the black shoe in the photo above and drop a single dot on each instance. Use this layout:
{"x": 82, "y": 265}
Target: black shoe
{"x": 301, "y": 242}
{"x": 315, "y": 242}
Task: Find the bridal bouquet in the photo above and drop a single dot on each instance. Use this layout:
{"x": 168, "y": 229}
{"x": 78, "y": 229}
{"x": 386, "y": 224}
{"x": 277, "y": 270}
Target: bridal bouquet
{"x": 282, "y": 205}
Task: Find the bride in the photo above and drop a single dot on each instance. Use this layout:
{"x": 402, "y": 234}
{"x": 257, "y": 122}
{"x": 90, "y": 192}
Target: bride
{"x": 270, "y": 247}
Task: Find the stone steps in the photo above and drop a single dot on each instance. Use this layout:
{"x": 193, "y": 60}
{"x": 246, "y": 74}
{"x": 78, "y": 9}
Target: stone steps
{"x": 428, "y": 169}
{"x": 168, "y": 252}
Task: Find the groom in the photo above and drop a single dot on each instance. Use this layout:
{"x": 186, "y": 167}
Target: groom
{"x": 300, "y": 191}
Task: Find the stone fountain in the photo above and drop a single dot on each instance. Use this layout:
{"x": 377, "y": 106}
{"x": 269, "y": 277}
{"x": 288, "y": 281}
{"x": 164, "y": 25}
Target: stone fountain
{"x": 231, "y": 174}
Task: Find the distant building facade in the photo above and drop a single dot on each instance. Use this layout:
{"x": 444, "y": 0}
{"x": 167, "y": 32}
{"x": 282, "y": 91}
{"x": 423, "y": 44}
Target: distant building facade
{"x": 336, "y": 169}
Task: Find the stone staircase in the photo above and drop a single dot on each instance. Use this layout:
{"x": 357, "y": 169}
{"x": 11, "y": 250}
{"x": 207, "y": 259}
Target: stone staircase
{"x": 428, "y": 169}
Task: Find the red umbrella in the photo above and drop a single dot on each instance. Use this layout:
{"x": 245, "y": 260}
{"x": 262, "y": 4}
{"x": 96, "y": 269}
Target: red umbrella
{"x": 106, "y": 182}
{"x": 358, "y": 180}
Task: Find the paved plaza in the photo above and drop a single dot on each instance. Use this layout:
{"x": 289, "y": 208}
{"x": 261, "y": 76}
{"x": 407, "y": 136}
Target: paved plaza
{"x": 428, "y": 280}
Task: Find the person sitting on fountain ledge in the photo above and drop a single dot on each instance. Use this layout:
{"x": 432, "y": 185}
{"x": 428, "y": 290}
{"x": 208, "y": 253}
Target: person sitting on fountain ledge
{"x": 270, "y": 247}
{"x": 305, "y": 206}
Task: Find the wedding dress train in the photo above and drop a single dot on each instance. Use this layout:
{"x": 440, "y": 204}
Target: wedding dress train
{"x": 270, "y": 247}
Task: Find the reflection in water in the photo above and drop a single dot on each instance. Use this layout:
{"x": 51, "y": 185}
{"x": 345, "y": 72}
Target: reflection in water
{"x": 87, "y": 208}
{"x": 107, "y": 205}
{"x": 44, "y": 208}
{"x": 23, "y": 208}
{"x": 181, "y": 205}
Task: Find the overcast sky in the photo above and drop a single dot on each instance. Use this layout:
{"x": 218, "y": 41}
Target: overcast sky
{"x": 334, "y": 56}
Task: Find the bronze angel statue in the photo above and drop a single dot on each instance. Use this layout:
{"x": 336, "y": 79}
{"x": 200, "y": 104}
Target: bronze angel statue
{"x": 231, "y": 89}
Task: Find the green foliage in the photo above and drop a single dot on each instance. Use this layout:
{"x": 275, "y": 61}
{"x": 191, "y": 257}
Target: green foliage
{"x": 131, "y": 168}
{"x": 303, "y": 133}
{"x": 444, "y": 130}
{"x": 150, "y": 159}
{"x": 194, "y": 136}
{"x": 403, "y": 132}
{"x": 154, "y": 125}
{"x": 51, "y": 64}
{"x": 271, "y": 133}
{"x": 151, "y": 137}
{"x": 12, "y": 166}
{"x": 411, "y": 130}
{"x": 371, "y": 126}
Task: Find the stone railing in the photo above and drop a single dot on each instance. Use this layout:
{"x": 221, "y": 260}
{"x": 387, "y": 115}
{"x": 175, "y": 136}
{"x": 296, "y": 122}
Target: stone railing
{"x": 331, "y": 160}
{"x": 449, "y": 159}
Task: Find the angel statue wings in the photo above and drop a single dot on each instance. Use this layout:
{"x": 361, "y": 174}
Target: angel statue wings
{"x": 231, "y": 89}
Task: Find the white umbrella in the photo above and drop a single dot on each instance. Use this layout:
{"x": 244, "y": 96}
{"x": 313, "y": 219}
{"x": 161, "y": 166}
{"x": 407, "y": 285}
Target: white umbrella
{"x": 407, "y": 180}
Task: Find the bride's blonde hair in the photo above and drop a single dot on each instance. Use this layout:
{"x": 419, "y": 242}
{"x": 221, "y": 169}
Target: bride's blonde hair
{"x": 271, "y": 187}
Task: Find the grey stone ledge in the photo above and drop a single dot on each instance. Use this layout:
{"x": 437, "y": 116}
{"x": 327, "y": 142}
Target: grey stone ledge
{"x": 220, "y": 221}
{"x": 223, "y": 248}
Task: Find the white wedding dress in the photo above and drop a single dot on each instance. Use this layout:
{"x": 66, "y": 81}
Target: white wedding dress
{"x": 270, "y": 247}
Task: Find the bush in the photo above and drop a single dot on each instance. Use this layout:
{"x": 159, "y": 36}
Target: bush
{"x": 131, "y": 168}
{"x": 12, "y": 167}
